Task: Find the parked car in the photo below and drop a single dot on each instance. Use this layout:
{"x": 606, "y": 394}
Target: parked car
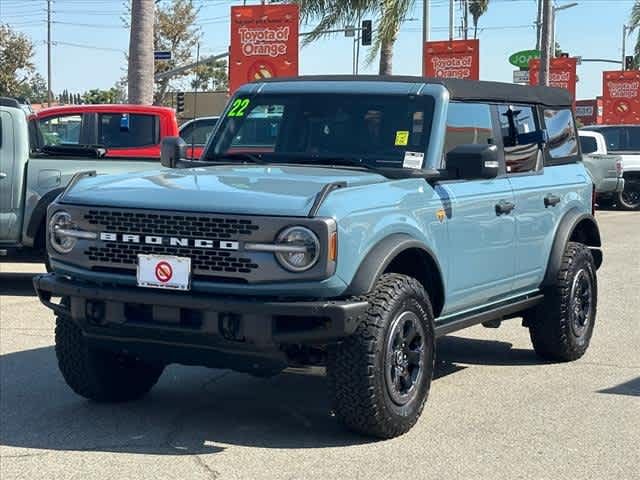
{"x": 623, "y": 140}
{"x": 606, "y": 170}
{"x": 30, "y": 179}
{"x": 195, "y": 133}
{"x": 126, "y": 131}
{"x": 383, "y": 213}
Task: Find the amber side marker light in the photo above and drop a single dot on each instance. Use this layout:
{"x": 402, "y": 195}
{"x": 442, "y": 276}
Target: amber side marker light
{"x": 333, "y": 246}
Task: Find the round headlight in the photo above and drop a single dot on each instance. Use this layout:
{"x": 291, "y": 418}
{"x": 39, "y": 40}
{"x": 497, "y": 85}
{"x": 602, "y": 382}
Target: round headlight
{"x": 61, "y": 221}
{"x": 305, "y": 249}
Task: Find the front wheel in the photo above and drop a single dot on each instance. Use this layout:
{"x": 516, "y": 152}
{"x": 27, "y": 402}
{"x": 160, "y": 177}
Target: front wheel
{"x": 380, "y": 376}
{"x": 561, "y": 328}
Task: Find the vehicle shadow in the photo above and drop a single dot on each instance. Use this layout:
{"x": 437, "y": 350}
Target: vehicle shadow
{"x": 191, "y": 410}
{"x": 17, "y": 284}
{"x": 632, "y": 388}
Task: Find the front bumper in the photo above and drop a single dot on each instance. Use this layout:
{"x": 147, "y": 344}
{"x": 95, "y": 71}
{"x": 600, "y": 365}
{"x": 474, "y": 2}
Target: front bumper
{"x": 230, "y": 332}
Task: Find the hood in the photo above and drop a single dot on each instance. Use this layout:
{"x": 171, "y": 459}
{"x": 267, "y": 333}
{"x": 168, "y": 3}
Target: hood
{"x": 242, "y": 189}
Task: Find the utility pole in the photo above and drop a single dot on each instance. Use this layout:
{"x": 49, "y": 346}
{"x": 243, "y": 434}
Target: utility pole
{"x": 426, "y": 7}
{"x": 465, "y": 5}
{"x": 539, "y": 25}
{"x": 450, "y": 20}
{"x": 545, "y": 42}
{"x": 624, "y": 44}
{"x": 49, "y": 95}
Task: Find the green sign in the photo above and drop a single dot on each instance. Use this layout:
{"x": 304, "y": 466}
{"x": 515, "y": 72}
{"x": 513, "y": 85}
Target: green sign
{"x": 521, "y": 59}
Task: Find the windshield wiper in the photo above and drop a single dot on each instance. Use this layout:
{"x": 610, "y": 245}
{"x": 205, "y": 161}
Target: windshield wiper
{"x": 247, "y": 157}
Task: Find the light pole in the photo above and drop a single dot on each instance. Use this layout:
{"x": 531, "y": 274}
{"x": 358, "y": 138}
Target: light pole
{"x": 553, "y": 24}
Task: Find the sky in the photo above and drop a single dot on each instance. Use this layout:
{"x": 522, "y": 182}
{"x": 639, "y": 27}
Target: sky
{"x": 89, "y": 41}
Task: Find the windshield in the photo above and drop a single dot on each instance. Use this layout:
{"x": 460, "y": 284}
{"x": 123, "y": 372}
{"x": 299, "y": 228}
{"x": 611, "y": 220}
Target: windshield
{"x": 375, "y": 130}
{"x": 621, "y": 139}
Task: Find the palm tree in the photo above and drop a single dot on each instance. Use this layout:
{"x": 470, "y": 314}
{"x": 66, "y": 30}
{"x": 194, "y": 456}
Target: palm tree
{"x": 140, "y": 73}
{"x": 477, "y": 8}
{"x": 634, "y": 23}
{"x": 334, "y": 14}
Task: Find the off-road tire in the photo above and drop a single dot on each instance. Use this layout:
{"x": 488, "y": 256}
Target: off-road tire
{"x": 358, "y": 385}
{"x": 553, "y": 325}
{"x": 100, "y": 375}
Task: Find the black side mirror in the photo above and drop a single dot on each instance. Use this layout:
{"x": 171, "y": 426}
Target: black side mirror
{"x": 172, "y": 151}
{"x": 473, "y": 161}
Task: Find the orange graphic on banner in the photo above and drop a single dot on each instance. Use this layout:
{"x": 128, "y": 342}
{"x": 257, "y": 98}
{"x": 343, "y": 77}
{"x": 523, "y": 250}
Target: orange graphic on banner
{"x": 452, "y": 59}
{"x": 562, "y": 73}
{"x": 621, "y": 97}
{"x": 264, "y": 43}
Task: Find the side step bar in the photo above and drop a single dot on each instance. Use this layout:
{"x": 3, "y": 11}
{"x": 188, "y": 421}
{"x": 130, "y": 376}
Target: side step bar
{"x": 498, "y": 312}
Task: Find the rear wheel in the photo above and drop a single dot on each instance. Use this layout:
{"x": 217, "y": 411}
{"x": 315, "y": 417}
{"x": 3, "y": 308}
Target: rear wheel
{"x": 380, "y": 376}
{"x": 629, "y": 198}
{"x": 99, "y": 374}
{"x": 561, "y": 328}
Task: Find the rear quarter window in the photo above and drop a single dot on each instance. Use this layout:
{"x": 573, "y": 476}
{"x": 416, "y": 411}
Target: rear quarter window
{"x": 563, "y": 138}
{"x": 588, "y": 144}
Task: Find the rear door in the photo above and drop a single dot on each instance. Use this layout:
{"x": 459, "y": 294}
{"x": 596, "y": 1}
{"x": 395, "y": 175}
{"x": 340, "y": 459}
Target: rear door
{"x": 480, "y": 260}
{"x": 7, "y": 185}
{"x": 129, "y": 134}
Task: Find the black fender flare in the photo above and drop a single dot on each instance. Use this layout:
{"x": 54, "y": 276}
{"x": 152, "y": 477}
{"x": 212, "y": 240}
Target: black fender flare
{"x": 39, "y": 215}
{"x": 591, "y": 236}
{"x": 380, "y": 257}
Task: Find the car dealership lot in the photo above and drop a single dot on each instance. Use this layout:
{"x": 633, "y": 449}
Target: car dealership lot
{"x": 495, "y": 410}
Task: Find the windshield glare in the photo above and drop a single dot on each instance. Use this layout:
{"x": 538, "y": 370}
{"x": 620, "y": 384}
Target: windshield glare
{"x": 373, "y": 129}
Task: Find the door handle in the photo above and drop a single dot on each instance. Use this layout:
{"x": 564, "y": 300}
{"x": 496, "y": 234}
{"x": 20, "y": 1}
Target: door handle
{"x": 3, "y": 175}
{"x": 551, "y": 200}
{"x": 503, "y": 207}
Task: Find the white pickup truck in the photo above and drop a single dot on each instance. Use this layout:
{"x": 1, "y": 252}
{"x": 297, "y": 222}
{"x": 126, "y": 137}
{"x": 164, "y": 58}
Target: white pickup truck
{"x": 622, "y": 140}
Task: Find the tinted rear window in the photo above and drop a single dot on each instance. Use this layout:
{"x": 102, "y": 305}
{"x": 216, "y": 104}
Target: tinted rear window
{"x": 118, "y": 130}
{"x": 621, "y": 139}
{"x": 588, "y": 144}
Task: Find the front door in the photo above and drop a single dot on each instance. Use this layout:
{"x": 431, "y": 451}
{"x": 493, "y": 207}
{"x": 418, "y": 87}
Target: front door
{"x": 481, "y": 253}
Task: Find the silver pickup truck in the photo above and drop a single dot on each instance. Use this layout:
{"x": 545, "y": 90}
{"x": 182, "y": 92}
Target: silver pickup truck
{"x": 606, "y": 170}
{"x": 30, "y": 180}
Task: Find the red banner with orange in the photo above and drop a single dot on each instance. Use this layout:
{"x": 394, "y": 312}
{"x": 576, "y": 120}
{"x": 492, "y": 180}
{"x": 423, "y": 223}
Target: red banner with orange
{"x": 621, "y": 97}
{"x": 562, "y": 73}
{"x": 452, "y": 59}
{"x": 264, "y": 43}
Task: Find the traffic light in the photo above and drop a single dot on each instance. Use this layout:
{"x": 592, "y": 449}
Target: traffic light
{"x": 366, "y": 32}
{"x": 564, "y": 55}
{"x": 180, "y": 102}
{"x": 628, "y": 62}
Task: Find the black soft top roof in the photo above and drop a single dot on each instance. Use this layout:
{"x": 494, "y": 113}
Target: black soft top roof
{"x": 458, "y": 89}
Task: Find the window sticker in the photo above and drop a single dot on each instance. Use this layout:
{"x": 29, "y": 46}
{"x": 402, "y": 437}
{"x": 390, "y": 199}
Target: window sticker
{"x": 413, "y": 160}
{"x": 402, "y": 138}
{"x": 238, "y": 107}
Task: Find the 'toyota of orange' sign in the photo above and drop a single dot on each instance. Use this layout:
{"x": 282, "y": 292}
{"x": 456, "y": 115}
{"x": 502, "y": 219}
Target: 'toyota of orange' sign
{"x": 452, "y": 59}
{"x": 621, "y": 97}
{"x": 562, "y": 73}
{"x": 264, "y": 43}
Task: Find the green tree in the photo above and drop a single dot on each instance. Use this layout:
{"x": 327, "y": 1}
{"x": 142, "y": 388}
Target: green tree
{"x": 18, "y": 76}
{"x": 101, "y": 96}
{"x": 477, "y": 8}
{"x": 211, "y": 77}
{"x": 634, "y": 23}
{"x": 389, "y": 16}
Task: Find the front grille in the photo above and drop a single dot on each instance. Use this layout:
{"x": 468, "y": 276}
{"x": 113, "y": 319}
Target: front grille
{"x": 203, "y": 261}
{"x": 162, "y": 224}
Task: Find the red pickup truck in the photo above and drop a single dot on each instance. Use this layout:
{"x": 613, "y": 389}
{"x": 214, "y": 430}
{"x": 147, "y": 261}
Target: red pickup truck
{"x": 125, "y": 130}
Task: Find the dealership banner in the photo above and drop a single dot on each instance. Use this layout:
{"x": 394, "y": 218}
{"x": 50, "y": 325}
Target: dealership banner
{"x": 264, "y": 43}
{"x": 589, "y": 112}
{"x": 562, "y": 73}
{"x": 452, "y": 59}
{"x": 621, "y": 97}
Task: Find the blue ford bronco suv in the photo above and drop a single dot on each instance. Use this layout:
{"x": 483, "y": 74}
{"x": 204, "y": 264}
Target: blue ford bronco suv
{"x": 345, "y": 222}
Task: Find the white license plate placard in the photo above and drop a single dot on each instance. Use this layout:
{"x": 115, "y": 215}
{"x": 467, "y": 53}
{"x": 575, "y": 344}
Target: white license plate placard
{"x": 164, "y": 271}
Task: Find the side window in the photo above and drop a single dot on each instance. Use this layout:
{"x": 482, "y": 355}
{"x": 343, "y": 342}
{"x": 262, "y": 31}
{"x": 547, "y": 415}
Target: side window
{"x": 61, "y": 130}
{"x": 198, "y": 133}
{"x": 468, "y": 123}
{"x": 520, "y": 156}
{"x": 588, "y": 144}
{"x": 562, "y": 133}
{"x": 123, "y": 130}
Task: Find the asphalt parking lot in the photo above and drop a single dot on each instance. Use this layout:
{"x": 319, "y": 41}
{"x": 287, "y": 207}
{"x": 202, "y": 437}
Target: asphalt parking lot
{"x": 495, "y": 410}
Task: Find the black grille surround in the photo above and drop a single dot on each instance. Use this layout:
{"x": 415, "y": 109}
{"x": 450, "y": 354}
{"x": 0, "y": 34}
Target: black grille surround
{"x": 215, "y": 264}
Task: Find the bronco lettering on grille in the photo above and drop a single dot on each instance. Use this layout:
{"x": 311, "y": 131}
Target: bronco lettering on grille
{"x": 170, "y": 241}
